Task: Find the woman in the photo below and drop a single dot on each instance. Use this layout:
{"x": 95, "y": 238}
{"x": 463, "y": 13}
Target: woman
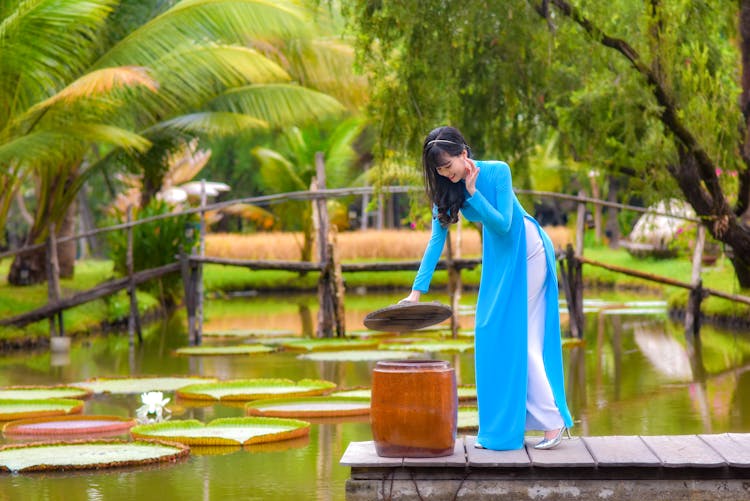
{"x": 518, "y": 355}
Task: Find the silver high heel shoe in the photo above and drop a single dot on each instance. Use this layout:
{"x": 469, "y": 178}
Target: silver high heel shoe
{"x": 551, "y": 443}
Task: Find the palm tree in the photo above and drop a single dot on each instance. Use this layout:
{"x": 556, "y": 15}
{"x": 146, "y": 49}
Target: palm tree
{"x": 67, "y": 84}
{"x": 291, "y": 167}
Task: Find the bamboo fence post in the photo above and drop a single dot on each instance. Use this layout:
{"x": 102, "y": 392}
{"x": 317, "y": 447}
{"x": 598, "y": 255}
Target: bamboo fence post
{"x": 575, "y": 272}
{"x": 693, "y": 308}
{"x": 53, "y": 282}
{"x": 595, "y": 193}
{"x": 326, "y": 311}
{"x": 188, "y": 287}
{"x": 580, "y": 225}
{"x": 380, "y": 214}
{"x": 570, "y": 276}
{"x": 198, "y": 271}
{"x": 134, "y": 324}
{"x": 364, "y": 219}
{"x": 337, "y": 283}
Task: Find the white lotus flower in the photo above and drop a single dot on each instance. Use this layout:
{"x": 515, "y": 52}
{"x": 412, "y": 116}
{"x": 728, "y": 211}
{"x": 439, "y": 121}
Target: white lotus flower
{"x": 153, "y": 403}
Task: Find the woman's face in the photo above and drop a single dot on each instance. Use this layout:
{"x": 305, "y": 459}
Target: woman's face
{"x": 454, "y": 167}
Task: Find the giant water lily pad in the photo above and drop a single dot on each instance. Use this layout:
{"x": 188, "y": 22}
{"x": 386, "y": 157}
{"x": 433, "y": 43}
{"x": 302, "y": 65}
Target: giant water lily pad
{"x": 445, "y": 345}
{"x": 272, "y": 341}
{"x": 225, "y": 431}
{"x": 20, "y": 409}
{"x": 367, "y": 334}
{"x": 243, "y": 349}
{"x": 309, "y": 407}
{"x": 330, "y": 344}
{"x": 468, "y": 418}
{"x": 141, "y": 384}
{"x": 242, "y": 333}
{"x": 69, "y": 425}
{"x": 358, "y": 355}
{"x": 353, "y": 392}
{"x": 467, "y": 392}
{"x": 45, "y": 456}
{"x": 42, "y": 392}
{"x": 255, "y": 389}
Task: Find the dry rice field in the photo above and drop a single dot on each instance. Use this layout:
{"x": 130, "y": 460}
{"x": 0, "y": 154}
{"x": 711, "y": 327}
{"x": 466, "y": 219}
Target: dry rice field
{"x": 352, "y": 245}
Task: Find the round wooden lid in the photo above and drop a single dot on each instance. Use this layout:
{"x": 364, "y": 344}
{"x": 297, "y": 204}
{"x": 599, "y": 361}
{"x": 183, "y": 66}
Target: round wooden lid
{"x": 407, "y": 316}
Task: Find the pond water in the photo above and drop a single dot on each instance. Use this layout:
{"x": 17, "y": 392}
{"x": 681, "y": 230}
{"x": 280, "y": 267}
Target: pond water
{"x": 633, "y": 375}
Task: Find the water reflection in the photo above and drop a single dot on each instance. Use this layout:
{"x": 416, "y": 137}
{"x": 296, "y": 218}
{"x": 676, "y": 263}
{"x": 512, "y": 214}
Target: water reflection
{"x": 635, "y": 374}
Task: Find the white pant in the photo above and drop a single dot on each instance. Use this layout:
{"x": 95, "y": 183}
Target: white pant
{"x": 541, "y": 410}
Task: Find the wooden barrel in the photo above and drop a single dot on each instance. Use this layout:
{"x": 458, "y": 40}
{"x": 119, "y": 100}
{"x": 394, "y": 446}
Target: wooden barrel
{"x": 414, "y": 409}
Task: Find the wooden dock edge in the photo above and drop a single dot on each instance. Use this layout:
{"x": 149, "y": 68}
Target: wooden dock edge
{"x": 695, "y": 467}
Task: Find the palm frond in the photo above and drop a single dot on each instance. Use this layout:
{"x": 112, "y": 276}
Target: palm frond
{"x": 328, "y": 66}
{"x": 233, "y": 21}
{"x": 44, "y": 44}
{"x": 56, "y": 146}
{"x": 101, "y": 82}
{"x": 211, "y": 123}
{"x": 280, "y": 104}
{"x": 278, "y": 173}
{"x": 194, "y": 74}
{"x": 340, "y": 155}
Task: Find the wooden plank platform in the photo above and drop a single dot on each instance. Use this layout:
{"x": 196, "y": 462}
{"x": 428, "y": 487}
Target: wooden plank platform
{"x": 696, "y": 467}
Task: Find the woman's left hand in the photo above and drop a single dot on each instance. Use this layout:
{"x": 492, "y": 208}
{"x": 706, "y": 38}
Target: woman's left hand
{"x": 472, "y": 171}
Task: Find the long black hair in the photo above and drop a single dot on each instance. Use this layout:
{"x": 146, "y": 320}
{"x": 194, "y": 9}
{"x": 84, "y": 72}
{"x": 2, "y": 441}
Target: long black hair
{"x": 448, "y": 197}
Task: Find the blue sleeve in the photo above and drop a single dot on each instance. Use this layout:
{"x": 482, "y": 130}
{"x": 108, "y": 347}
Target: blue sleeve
{"x": 495, "y": 203}
{"x": 431, "y": 256}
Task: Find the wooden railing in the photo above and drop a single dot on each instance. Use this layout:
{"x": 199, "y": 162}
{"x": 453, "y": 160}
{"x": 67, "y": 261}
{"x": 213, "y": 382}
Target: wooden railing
{"x": 190, "y": 266}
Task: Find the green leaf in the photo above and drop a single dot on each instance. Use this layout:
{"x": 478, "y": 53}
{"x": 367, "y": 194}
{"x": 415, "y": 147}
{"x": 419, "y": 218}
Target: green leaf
{"x": 225, "y": 431}
{"x": 88, "y": 455}
{"x": 255, "y": 389}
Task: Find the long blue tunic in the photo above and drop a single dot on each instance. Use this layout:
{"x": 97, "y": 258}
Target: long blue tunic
{"x": 501, "y": 313}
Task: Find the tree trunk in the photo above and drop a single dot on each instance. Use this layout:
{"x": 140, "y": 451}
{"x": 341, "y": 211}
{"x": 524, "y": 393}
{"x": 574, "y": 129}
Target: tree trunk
{"x": 696, "y": 171}
{"x": 742, "y": 207}
{"x": 29, "y": 268}
{"x": 66, "y": 251}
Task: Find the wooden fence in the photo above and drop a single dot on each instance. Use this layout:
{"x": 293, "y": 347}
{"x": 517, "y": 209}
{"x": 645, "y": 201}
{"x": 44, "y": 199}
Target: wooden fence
{"x": 330, "y": 285}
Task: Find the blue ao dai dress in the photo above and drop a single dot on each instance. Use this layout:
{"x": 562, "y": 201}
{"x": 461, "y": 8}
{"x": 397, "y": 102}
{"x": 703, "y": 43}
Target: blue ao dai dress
{"x": 501, "y": 321}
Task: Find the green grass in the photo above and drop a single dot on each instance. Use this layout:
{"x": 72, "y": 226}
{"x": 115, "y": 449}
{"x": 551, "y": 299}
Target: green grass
{"x": 83, "y": 318}
{"x": 719, "y": 276}
{"x": 219, "y": 279}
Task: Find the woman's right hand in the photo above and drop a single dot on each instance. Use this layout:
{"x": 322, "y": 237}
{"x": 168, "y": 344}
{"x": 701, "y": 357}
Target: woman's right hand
{"x": 411, "y": 298}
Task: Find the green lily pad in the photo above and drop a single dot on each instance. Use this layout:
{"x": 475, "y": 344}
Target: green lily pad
{"x": 446, "y": 345}
{"x": 255, "y": 389}
{"x": 467, "y": 392}
{"x": 141, "y": 384}
{"x": 273, "y": 341}
{"x": 243, "y": 349}
{"x": 358, "y": 355}
{"x": 20, "y": 409}
{"x": 42, "y": 392}
{"x": 68, "y": 425}
{"x": 225, "y": 431}
{"x": 309, "y": 407}
{"x": 241, "y": 333}
{"x": 468, "y": 418}
{"x": 45, "y": 456}
{"x": 367, "y": 334}
{"x": 328, "y": 344}
{"x": 355, "y": 392}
